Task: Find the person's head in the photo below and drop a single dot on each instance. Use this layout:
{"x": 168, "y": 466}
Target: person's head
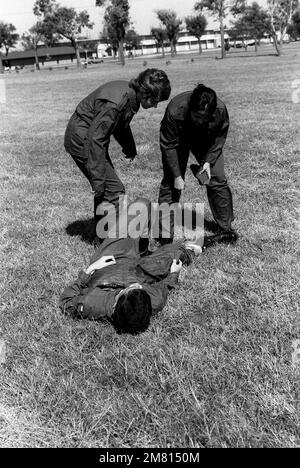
{"x": 132, "y": 311}
{"x": 152, "y": 86}
{"x": 203, "y": 104}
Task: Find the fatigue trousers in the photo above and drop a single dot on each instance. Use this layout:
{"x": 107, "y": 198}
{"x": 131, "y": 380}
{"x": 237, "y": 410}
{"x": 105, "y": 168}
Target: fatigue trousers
{"x": 114, "y": 188}
{"x": 218, "y": 194}
{"x": 157, "y": 264}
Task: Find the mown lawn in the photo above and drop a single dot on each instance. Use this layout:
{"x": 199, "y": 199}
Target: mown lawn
{"x": 215, "y": 368}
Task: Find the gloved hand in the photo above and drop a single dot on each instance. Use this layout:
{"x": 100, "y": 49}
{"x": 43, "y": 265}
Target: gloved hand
{"x": 103, "y": 262}
{"x": 206, "y": 168}
{"x": 176, "y": 266}
{"x": 179, "y": 183}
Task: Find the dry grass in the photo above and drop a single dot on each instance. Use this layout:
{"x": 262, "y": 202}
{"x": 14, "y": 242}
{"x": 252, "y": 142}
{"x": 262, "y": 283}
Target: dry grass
{"x": 215, "y": 367}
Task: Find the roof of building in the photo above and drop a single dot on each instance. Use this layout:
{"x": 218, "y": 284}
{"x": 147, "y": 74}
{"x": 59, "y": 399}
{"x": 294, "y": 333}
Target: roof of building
{"x": 43, "y": 52}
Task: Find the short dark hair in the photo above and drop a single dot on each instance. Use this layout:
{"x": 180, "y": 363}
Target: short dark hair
{"x": 152, "y": 83}
{"x": 203, "y": 99}
{"x": 133, "y": 312}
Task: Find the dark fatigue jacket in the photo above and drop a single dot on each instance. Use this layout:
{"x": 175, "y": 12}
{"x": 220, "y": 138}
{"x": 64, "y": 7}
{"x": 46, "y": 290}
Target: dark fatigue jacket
{"x": 93, "y": 296}
{"x": 106, "y": 111}
{"x": 206, "y": 142}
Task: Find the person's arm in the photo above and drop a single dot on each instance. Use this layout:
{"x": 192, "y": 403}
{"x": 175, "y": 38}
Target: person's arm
{"x": 169, "y": 142}
{"x": 159, "y": 292}
{"x": 68, "y": 301}
{"x": 70, "y": 297}
{"x": 99, "y": 134}
{"x": 124, "y": 137}
{"x": 216, "y": 149}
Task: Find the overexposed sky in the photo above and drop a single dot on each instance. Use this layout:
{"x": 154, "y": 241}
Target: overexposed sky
{"x": 19, "y": 12}
{"x": 142, "y": 12}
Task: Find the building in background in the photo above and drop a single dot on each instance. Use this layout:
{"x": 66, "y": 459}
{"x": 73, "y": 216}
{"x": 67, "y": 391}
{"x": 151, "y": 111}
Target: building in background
{"x": 95, "y": 49}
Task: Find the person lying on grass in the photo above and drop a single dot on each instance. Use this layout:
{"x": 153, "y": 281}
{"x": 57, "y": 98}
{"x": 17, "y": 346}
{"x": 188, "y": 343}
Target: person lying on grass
{"x": 125, "y": 283}
{"x": 107, "y": 112}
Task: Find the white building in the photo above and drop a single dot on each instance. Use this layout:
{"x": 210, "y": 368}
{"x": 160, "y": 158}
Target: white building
{"x": 211, "y": 39}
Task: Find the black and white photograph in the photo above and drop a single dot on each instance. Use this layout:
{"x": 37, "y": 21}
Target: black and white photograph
{"x": 149, "y": 235}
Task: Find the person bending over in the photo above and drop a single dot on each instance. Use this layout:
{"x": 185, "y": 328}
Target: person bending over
{"x": 196, "y": 121}
{"x": 107, "y": 112}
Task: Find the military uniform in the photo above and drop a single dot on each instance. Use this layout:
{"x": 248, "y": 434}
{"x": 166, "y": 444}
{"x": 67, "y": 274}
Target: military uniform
{"x": 106, "y": 111}
{"x": 178, "y": 137}
{"x": 93, "y": 296}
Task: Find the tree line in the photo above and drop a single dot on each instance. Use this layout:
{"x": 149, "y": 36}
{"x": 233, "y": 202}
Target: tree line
{"x": 55, "y": 22}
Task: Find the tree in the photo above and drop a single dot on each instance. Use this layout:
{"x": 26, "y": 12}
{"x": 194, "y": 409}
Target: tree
{"x": 132, "y": 39}
{"x": 1, "y": 45}
{"x": 196, "y": 26}
{"x": 160, "y": 36}
{"x": 62, "y": 21}
{"x": 37, "y": 33}
{"x": 220, "y": 9}
{"x": 8, "y": 39}
{"x": 252, "y": 24}
{"x": 241, "y": 30}
{"x": 31, "y": 40}
{"x": 256, "y": 20}
{"x": 172, "y": 24}
{"x": 100, "y": 3}
{"x": 117, "y": 19}
{"x": 280, "y": 13}
{"x": 66, "y": 22}
{"x": 42, "y": 7}
{"x": 294, "y": 28}
{"x": 109, "y": 36}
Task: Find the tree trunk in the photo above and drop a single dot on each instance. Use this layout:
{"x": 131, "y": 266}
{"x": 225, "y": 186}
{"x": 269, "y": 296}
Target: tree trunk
{"x": 223, "y": 51}
{"x": 200, "y": 45}
{"x": 172, "y": 48}
{"x": 163, "y": 50}
{"x": 121, "y": 52}
{"x": 37, "y": 65}
{"x": 1, "y": 65}
{"x": 276, "y": 45}
{"x": 76, "y": 47}
{"x": 255, "y": 41}
{"x": 281, "y": 41}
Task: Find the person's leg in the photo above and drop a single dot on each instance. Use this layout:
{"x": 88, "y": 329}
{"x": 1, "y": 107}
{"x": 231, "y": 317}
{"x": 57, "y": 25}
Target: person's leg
{"x": 169, "y": 195}
{"x": 220, "y": 197}
{"x": 108, "y": 205}
{"x": 119, "y": 241}
{"x": 75, "y": 143}
{"x": 81, "y": 165}
{"x": 158, "y": 264}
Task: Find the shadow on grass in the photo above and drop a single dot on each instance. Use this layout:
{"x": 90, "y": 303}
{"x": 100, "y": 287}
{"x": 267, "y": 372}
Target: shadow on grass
{"x": 84, "y": 228}
{"x": 248, "y": 55}
{"x": 209, "y": 224}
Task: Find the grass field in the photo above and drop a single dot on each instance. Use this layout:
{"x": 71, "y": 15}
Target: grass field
{"x": 215, "y": 368}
